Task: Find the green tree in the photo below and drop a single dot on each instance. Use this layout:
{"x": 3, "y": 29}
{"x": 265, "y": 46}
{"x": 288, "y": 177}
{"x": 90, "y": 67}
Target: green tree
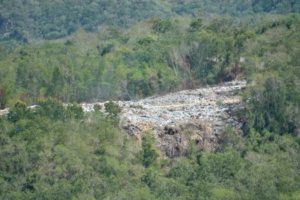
{"x": 268, "y": 106}
{"x": 4, "y": 96}
{"x": 149, "y": 151}
{"x": 74, "y": 111}
{"x": 17, "y": 112}
{"x": 51, "y": 108}
{"x": 57, "y": 83}
{"x": 113, "y": 109}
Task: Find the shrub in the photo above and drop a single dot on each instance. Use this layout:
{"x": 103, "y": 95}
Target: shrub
{"x": 97, "y": 108}
{"x": 149, "y": 152}
{"x": 74, "y": 111}
{"x": 4, "y": 93}
{"x": 17, "y": 112}
{"x": 51, "y": 108}
{"x": 162, "y": 26}
{"x": 112, "y": 109}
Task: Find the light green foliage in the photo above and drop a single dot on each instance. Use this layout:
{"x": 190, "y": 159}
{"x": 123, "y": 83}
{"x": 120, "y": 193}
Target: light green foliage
{"x": 42, "y": 157}
{"x": 156, "y": 56}
{"x": 61, "y": 160}
{"x": 231, "y": 140}
{"x": 273, "y": 99}
{"x": 131, "y": 49}
{"x": 220, "y": 193}
{"x": 222, "y": 166}
{"x": 149, "y": 152}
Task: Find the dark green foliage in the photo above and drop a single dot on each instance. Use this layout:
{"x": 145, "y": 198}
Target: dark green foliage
{"x": 275, "y": 6}
{"x": 17, "y": 112}
{"x": 4, "y": 94}
{"x": 22, "y": 21}
{"x": 51, "y": 108}
{"x": 196, "y": 25}
{"x": 162, "y": 26}
{"x": 269, "y": 107}
{"x": 74, "y": 111}
{"x": 53, "y": 20}
{"x": 113, "y": 109}
{"x": 97, "y": 108}
{"x": 55, "y": 110}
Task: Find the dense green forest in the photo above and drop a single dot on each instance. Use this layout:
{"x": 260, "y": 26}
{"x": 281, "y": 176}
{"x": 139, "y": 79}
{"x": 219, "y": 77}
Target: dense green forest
{"x": 25, "y": 20}
{"x": 60, "y": 153}
{"x": 151, "y": 57}
{"x": 56, "y": 52}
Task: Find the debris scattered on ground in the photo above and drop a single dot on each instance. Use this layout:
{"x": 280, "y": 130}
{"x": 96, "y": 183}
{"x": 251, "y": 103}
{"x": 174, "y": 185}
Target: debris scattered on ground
{"x": 176, "y": 118}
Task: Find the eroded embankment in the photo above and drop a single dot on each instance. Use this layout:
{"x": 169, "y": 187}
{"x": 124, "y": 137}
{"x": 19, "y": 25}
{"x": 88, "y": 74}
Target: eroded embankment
{"x": 176, "y": 119}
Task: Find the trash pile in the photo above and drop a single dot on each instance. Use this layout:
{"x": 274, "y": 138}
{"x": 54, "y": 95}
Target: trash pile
{"x": 176, "y": 118}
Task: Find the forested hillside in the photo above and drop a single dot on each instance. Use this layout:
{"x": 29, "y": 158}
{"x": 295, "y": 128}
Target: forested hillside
{"x": 56, "y": 54}
{"x": 59, "y": 153}
{"x": 151, "y": 57}
{"x": 27, "y": 20}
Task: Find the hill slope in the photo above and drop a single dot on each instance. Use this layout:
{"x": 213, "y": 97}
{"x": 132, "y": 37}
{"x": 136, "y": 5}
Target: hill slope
{"x": 28, "y": 20}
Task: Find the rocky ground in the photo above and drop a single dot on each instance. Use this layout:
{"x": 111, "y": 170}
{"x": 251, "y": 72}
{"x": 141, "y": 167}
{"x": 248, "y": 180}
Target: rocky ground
{"x": 177, "y": 119}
